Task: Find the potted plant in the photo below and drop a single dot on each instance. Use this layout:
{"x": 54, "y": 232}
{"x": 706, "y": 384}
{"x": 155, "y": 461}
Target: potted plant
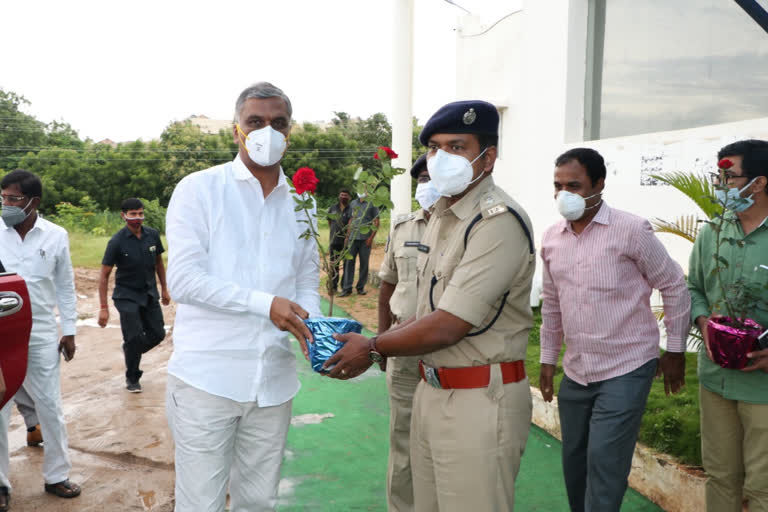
{"x": 373, "y": 187}
{"x": 733, "y": 335}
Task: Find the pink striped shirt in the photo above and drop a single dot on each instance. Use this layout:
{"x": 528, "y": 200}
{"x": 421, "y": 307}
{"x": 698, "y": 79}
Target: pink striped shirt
{"x": 596, "y": 295}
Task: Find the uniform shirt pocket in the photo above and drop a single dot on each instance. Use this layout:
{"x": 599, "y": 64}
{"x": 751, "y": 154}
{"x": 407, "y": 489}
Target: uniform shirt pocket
{"x": 407, "y": 267}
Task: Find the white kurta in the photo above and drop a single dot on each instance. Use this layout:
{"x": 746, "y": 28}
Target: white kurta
{"x": 43, "y": 260}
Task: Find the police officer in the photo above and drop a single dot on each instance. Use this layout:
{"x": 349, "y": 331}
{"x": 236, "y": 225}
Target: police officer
{"x": 472, "y": 407}
{"x": 397, "y": 303}
{"x": 136, "y": 250}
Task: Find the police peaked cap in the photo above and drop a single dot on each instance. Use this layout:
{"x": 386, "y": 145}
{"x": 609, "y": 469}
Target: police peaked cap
{"x": 419, "y": 165}
{"x": 474, "y": 116}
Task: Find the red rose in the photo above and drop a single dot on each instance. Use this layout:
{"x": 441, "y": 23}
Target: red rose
{"x": 305, "y": 180}
{"x": 725, "y": 164}
{"x": 391, "y": 154}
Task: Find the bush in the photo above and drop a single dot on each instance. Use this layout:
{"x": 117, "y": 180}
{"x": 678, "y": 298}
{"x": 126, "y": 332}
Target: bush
{"x": 86, "y": 218}
{"x": 154, "y": 214}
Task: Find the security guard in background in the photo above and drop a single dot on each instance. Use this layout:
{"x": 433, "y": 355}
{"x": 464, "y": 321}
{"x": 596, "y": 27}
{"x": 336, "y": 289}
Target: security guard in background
{"x": 397, "y": 303}
{"x": 472, "y": 408}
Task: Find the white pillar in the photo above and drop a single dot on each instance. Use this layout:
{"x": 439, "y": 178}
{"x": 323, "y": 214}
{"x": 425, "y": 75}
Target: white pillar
{"x": 402, "y": 103}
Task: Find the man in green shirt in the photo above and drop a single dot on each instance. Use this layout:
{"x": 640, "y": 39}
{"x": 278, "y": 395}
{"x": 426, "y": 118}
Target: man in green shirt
{"x": 734, "y": 403}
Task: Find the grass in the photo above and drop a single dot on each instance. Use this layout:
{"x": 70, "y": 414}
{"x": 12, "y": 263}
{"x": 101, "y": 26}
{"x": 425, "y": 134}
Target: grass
{"x": 87, "y": 250}
{"x": 670, "y": 423}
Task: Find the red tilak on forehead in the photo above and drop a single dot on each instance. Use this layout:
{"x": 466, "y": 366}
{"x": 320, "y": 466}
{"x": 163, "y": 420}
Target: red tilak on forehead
{"x": 725, "y": 163}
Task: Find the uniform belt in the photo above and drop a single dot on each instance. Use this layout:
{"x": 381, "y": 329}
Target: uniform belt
{"x": 470, "y": 377}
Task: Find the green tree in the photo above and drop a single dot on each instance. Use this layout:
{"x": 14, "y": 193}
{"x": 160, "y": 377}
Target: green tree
{"x": 187, "y": 149}
{"x": 20, "y": 133}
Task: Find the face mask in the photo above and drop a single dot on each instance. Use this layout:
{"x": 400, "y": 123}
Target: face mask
{"x": 731, "y": 199}
{"x": 451, "y": 174}
{"x": 427, "y": 195}
{"x": 15, "y": 215}
{"x": 134, "y": 222}
{"x": 572, "y": 206}
{"x": 265, "y": 146}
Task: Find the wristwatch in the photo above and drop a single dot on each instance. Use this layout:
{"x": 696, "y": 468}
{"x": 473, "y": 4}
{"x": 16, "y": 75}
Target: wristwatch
{"x": 375, "y": 356}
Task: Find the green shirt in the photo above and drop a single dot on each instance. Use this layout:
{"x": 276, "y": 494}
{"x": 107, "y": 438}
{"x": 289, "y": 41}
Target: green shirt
{"x": 743, "y": 263}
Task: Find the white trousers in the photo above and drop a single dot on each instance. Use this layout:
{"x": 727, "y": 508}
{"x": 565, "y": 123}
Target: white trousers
{"x": 220, "y": 441}
{"x": 26, "y": 407}
{"x": 43, "y": 386}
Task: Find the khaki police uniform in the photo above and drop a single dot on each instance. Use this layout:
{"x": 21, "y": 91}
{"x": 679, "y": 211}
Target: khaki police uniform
{"x": 399, "y": 269}
{"x": 466, "y": 444}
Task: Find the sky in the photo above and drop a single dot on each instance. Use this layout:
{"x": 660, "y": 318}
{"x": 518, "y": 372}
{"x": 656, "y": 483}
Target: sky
{"x": 125, "y": 70}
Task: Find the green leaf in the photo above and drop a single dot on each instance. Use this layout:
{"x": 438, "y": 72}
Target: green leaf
{"x": 686, "y": 227}
{"x": 698, "y": 188}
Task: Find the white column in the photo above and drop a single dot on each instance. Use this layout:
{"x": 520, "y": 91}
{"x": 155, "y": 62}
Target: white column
{"x": 402, "y": 103}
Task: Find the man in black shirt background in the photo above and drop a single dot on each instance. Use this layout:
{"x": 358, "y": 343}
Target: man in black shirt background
{"x": 136, "y": 250}
{"x": 338, "y": 227}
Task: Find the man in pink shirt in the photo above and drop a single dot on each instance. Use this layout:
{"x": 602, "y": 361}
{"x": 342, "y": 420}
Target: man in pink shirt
{"x": 600, "y": 267}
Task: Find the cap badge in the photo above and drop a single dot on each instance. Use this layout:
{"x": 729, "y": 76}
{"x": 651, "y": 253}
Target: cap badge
{"x": 469, "y": 116}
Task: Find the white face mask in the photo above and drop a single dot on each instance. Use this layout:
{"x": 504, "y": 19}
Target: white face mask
{"x": 427, "y": 195}
{"x": 572, "y": 206}
{"x": 265, "y": 146}
{"x": 451, "y": 174}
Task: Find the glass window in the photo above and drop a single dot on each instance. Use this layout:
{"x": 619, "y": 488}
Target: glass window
{"x": 673, "y": 65}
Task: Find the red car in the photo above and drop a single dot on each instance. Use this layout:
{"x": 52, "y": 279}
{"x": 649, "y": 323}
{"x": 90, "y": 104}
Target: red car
{"x": 15, "y": 326}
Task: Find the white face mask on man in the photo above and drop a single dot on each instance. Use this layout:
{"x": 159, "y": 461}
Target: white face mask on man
{"x": 572, "y": 206}
{"x": 451, "y": 174}
{"x": 427, "y": 195}
{"x": 265, "y": 146}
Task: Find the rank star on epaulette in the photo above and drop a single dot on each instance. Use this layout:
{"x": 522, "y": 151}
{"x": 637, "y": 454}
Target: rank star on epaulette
{"x": 469, "y": 116}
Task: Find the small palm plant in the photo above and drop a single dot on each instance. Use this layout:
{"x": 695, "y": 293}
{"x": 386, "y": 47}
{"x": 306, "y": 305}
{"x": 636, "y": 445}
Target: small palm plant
{"x": 699, "y": 189}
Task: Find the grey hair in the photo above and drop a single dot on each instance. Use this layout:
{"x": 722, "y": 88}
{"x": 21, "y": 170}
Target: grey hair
{"x": 261, "y": 90}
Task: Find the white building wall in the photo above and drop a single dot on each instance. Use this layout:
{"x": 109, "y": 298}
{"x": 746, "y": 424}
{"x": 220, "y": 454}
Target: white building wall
{"x": 532, "y": 65}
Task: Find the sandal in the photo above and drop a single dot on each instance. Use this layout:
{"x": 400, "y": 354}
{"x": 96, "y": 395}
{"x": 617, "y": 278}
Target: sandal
{"x": 64, "y": 489}
{"x": 5, "y": 499}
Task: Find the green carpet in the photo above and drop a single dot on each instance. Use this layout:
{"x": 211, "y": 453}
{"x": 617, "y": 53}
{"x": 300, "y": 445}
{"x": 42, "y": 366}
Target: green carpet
{"x": 339, "y": 463}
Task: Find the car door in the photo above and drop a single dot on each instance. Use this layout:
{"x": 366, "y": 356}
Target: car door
{"x": 15, "y": 326}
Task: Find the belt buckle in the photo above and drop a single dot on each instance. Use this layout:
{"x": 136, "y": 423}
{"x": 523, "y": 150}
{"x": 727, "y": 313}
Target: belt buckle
{"x": 433, "y": 379}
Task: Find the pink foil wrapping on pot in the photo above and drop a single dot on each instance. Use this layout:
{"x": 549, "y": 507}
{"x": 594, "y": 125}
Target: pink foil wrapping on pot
{"x": 730, "y": 345}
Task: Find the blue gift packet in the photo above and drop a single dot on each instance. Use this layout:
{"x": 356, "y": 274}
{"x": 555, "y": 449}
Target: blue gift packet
{"x": 323, "y": 329}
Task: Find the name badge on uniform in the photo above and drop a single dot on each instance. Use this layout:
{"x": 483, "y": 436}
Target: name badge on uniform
{"x": 418, "y": 245}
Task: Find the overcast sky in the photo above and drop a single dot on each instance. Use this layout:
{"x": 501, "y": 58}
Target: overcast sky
{"x": 124, "y": 70}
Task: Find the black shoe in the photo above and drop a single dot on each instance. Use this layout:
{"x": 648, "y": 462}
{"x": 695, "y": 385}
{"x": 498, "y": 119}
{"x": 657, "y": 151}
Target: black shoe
{"x": 133, "y": 387}
{"x": 5, "y": 499}
{"x": 361, "y": 292}
{"x": 345, "y": 293}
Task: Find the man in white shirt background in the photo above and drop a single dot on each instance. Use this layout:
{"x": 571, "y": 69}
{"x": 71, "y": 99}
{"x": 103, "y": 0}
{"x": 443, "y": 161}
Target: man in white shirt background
{"x": 38, "y": 251}
{"x": 240, "y": 275}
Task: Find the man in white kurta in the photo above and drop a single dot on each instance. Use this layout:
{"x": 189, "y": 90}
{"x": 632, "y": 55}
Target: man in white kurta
{"x": 38, "y": 251}
{"x": 241, "y": 275}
